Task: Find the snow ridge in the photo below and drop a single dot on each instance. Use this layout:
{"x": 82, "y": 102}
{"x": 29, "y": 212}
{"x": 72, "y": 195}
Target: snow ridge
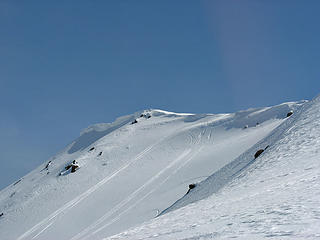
{"x": 129, "y": 171}
{"x": 232, "y": 170}
{"x": 275, "y": 197}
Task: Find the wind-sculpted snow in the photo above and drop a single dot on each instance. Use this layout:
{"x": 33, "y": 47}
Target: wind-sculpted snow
{"x": 227, "y": 173}
{"x": 275, "y": 196}
{"x": 129, "y": 171}
{"x": 252, "y": 117}
{"x": 97, "y": 131}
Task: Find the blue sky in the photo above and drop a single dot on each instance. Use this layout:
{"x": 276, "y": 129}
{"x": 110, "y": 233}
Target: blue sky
{"x": 67, "y": 64}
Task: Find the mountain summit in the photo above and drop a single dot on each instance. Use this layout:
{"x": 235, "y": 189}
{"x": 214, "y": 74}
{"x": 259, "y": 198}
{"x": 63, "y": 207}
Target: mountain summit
{"x": 142, "y": 166}
{"x": 271, "y": 196}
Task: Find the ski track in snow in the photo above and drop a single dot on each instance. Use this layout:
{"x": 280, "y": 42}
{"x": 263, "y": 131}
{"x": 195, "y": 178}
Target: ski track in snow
{"x": 168, "y": 151}
{"x": 43, "y": 230}
{"x": 84, "y": 195}
{"x": 130, "y": 197}
{"x": 141, "y": 199}
{"x": 47, "y": 222}
{"x": 185, "y": 154}
{"x": 276, "y": 197}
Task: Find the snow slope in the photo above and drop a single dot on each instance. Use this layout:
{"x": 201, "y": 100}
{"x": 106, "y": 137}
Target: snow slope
{"x": 275, "y": 196}
{"x": 134, "y": 172}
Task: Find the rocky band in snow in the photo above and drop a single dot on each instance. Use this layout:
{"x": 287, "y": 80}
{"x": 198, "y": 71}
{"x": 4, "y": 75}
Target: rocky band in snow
{"x": 71, "y": 167}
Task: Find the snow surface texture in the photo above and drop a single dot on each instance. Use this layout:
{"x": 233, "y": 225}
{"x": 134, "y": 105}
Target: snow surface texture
{"x": 129, "y": 173}
{"x": 276, "y": 196}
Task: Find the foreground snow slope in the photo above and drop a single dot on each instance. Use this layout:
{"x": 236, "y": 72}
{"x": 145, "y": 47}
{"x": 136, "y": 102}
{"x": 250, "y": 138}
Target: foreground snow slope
{"x": 128, "y": 173}
{"x": 276, "y": 196}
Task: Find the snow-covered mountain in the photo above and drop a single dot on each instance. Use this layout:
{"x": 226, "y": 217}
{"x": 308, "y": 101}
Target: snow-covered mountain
{"x": 276, "y": 195}
{"x": 140, "y": 166}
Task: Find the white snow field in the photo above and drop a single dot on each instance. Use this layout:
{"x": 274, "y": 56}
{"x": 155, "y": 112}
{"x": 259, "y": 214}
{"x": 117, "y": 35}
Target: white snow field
{"x": 130, "y": 173}
{"x": 275, "y": 196}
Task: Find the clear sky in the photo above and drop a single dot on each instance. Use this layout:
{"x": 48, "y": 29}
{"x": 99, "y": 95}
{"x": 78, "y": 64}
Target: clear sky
{"x": 67, "y": 64}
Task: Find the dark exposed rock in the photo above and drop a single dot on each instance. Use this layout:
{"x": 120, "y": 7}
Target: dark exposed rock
{"x": 17, "y": 182}
{"x": 191, "y": 186}
{"x": 74, "y": 165}
{"x": 67, "y": 167}
{"x": 257, "y": 154}
{"x": 289, "y": 113}
{"x": 147, "y": 116}
{"x": 47, "y": 166}
{"x": 73, "y": 168}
